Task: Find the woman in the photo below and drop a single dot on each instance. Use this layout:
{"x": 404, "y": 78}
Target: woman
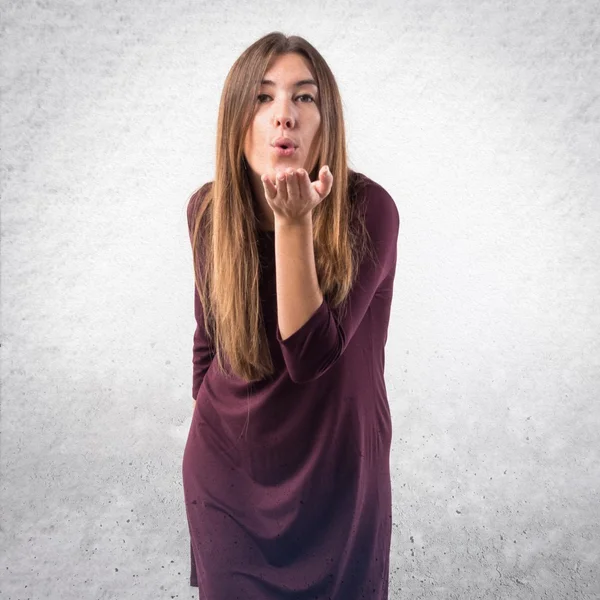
{"x": 286, "y": 467}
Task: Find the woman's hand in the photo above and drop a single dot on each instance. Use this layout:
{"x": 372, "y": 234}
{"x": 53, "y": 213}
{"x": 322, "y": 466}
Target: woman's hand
{"x": 294, "y": 196}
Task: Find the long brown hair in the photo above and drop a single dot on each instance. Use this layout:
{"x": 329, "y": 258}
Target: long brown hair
{"x": 223, "y": 222}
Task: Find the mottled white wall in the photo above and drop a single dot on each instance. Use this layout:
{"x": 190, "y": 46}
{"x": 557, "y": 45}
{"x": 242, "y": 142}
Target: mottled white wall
{"x": 481, "y": 119}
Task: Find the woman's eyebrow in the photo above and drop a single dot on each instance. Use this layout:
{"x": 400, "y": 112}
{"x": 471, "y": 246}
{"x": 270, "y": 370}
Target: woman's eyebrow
{"x": 297, "y": 84}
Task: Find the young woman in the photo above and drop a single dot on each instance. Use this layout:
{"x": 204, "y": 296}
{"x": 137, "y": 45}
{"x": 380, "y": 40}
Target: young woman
{"x": 286, "y": 468}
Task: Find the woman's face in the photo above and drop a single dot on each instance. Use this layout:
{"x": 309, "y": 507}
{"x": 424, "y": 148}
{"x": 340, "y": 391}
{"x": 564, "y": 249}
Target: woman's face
{"x": 284, "y": 109}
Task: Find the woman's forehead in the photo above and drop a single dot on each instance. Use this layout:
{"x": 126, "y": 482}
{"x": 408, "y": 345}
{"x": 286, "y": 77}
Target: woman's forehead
{"x": 287, "y": 66}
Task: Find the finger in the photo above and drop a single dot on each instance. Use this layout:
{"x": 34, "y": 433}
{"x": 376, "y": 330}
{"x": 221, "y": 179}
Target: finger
{"x": 270, "y": 189}
{"x": 325, "y": 173}
{"x": 268, "y": 179}
{"x": 281, "y": 186}
{"x": 328, "y": 181}
{"x": 293, "y": 190}
{"x": 325, "y": 181}
{"x": 304, "y": 183}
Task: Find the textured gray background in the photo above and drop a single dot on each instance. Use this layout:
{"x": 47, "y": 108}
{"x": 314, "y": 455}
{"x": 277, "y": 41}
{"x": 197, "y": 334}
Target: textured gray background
{"x": 481, "y": 119}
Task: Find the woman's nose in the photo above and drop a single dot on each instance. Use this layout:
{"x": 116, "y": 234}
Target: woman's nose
{"x": 283, "y": 121}
{"x": 282, "y": 116}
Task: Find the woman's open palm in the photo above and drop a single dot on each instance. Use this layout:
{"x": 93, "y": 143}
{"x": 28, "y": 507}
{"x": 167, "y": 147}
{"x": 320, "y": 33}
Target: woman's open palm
{"x": 293, "y": 196}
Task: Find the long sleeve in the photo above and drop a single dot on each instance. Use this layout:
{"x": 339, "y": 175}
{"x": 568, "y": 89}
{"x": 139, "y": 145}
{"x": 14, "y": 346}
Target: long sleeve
{"x": 202, "y": 354}
{"x": 321, "y": 341}
{"x": 202, "y": 351}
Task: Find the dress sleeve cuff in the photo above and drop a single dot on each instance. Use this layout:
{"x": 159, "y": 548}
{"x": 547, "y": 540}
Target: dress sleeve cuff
{"x": 310, "y": 350}
{"x": 298, "y": 337}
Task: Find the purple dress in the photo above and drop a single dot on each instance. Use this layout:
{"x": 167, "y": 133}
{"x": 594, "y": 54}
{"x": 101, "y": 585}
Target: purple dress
{"x": 296, "y": 505}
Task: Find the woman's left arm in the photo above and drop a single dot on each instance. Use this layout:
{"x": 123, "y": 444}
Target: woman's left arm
{"x": 293, "y": 198}
{"x": 298, "y": 291}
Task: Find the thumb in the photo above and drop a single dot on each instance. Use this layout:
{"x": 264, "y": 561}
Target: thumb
{"x": 324, "y": 181}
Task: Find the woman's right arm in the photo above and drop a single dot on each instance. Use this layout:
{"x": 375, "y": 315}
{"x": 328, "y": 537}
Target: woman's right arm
{"x": 202, "y": 350}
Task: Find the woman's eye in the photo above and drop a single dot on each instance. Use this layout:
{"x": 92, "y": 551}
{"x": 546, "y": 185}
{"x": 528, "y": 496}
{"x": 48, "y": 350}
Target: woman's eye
{"x": 301, "y": 96}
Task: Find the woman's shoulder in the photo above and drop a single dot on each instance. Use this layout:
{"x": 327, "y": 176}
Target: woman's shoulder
{"x": 380, "y": 207}
{"x": 198, "y": 196}
{"x": 369, "y": 189}
{"x": 360, "y": 181}
{"x": 196, "y": 200}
